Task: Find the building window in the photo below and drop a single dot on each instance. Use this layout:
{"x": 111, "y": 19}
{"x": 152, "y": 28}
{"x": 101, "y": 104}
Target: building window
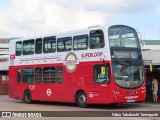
{"x": 101, "y": 74}
{"x": 38, "y": 46}
{"x": 38, "y": 75}
{"x": 28, "y": 47}
{"x": 49, "y": 75}
{"x": 18, "y": 48}
{"x": 64, "y": 44}
{"x": 28, "y": 75}
{"x": 80, "y": 42}
{"x": 49, "y": 44}
{"x": 96, "y": 39}
{"x": 59, "y": 74}
{"x": 18, "y": 76}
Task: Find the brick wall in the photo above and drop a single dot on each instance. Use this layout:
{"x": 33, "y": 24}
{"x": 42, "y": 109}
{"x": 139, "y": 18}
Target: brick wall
{"x": 3, "y": 60}
{"x": 3, "y": 87}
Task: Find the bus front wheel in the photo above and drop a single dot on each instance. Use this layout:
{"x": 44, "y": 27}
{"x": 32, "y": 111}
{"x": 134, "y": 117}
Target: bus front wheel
{"x": 27, "y": 96}
{"x": 81, "y": 99}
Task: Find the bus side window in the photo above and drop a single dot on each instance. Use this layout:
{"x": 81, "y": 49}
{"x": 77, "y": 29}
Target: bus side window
{"x": 28, "y": 47}
{"x": 19, "y": 48}
{"x": 49, "y": 75}
{"x": 38, "y": 75}
{"x": 59, "y": 74}
{"x": 101, "y": 74}
{"x": 49, "y": 44}
{"x": 96, "y": 39}
{"x": 18, "y": 75}
{"x": 28, "y": 75}
{"x": 38, "y": 46}
{"x": 64, "y": 44}
{"x": 80, "y": 42}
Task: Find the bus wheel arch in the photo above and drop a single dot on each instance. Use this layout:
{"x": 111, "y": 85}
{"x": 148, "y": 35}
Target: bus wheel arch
{"x": 27, "y": 96}
{"x": 81, "y": 98}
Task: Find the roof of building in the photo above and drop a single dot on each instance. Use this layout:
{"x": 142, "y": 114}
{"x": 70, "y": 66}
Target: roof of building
{"x": 152, "y": 55}
{"x": 151, "y": 51}
{"x": 6, "y": 40}
{"x": 151, "y": 42}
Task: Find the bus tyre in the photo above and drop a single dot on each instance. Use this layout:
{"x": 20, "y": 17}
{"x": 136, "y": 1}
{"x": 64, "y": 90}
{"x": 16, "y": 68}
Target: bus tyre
{"x": 81, "y": 99}
{"x": 112, "y": 104}
{"x": 27, "y": 96}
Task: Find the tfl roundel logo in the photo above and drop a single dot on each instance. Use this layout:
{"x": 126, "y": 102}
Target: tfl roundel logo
{"x": 71, "y": 62}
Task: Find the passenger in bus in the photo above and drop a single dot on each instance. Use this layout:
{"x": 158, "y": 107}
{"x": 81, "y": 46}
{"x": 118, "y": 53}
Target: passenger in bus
{"x": 92, "y": 43}
{"x": 98, "y": 43}
{"x": 67, "y": 48}
{"x": 155, "y": 89}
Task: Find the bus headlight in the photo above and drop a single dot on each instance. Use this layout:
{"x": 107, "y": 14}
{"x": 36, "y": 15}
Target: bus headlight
{"x": 116, "y": 92}
{"x": 143, "y": 91}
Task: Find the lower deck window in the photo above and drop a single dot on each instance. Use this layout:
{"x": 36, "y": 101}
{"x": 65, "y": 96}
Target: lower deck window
{"x": 28, "y": 75}
{"x": 101, "y": 73}
{"x": 59, "y": 74}
{"x": 41, "y": 75}
{"x": 38, "y": 75}
{"x": 49, "y": 74}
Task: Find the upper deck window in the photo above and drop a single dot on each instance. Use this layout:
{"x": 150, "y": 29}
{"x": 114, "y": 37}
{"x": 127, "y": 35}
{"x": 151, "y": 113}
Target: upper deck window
{"x": 18, "y": 48}
{"x": 122, "y": 36}
{"x": 49, "y": 44}
{"x": 80, "y": 42}
{"x": 38, "y": 46}
{"x": 28, "y": 47}
{"x": 96, "y": 39}
{"x": 64, "y": 44}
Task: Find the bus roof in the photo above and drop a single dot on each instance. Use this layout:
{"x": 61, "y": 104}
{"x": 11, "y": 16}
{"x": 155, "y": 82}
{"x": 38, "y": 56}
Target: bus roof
{"x": 62, "y": 33}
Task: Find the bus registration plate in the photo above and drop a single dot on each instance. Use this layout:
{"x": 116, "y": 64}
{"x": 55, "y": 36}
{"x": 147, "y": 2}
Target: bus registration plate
{"x": 130, "y": 100}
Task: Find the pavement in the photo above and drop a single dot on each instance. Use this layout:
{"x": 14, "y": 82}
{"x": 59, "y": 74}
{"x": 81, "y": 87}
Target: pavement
{"x": 150, "y": 104}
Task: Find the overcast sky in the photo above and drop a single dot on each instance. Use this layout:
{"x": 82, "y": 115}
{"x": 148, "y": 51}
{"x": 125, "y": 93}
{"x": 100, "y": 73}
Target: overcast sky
{"x": 20, "y": 18}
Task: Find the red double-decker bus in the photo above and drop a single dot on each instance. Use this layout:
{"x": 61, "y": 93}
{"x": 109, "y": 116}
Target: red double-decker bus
{"x": 96, "y": 65}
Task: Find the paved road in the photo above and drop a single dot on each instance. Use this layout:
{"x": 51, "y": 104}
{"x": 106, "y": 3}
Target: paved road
{"x": 67, "y": 110}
